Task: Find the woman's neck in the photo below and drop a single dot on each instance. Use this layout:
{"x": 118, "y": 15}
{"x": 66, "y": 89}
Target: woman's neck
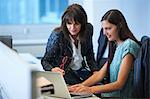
{"x": 118, "y": 42}
{"x": 74, "y": 36}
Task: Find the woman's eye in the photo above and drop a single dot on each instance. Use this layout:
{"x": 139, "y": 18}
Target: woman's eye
{"x": 69, "y": 23}
{"x": 77, "y": 23}
{"x": 107, "y": 28}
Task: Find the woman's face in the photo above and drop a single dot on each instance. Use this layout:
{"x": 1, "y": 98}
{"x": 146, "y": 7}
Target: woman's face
{"x": 110, "y": 30}
{"x": 73, "y": 28}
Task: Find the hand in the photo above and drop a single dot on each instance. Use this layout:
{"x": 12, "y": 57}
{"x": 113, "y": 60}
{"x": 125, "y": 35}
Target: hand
{"x": 72, "y": 88}
{"x": 80, "y": 88}
{"x": 57, "y": 69}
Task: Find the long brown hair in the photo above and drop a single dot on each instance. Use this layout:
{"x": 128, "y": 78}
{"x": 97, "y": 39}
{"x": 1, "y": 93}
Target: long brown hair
{"x": 115, "y": 17}
{"x": 74, "y": 12}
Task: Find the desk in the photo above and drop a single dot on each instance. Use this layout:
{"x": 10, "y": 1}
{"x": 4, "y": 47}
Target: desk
{"x": 45, "y": 97}
{"x": 35, "y": 64}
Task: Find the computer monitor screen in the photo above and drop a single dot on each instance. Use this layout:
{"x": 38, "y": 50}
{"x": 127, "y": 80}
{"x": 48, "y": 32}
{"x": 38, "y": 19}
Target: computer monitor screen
{"x": 15, "y": 75}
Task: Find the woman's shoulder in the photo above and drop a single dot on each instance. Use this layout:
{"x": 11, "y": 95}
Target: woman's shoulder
{"x": 89, "y": 27}
{"x": 55, "y": 36}
{"x": 56, "y": 33}
{"x": 130, "y": 46}
{"x": 130, "y": 42}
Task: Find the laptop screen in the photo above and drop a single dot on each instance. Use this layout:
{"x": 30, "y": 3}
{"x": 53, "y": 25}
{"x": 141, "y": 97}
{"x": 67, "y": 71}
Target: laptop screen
{"x": 52, "y": 84}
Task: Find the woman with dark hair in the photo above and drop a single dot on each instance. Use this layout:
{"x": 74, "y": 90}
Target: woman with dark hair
{"x": 123, "y": 49}
{"x": 69, "y": 48}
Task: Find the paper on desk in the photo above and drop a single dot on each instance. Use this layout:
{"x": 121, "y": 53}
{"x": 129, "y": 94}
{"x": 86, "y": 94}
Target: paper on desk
{"x": 44, "y": 87}
{"x": 42, "y": 81}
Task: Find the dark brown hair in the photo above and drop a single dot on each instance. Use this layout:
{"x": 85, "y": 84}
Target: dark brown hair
{"x": 74, "y": 12}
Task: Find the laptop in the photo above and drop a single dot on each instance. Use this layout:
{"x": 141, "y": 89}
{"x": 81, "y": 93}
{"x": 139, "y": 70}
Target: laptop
{"x": 49, "y": 84}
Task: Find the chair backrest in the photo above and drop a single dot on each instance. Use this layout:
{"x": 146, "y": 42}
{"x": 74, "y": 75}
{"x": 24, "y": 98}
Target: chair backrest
{"x": 102, "y": 44}
{"x": 6, "y": 39}
{"x": 142, "y": 70}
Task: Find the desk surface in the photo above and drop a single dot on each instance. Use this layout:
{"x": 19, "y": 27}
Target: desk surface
{"x": 45, "y": 97}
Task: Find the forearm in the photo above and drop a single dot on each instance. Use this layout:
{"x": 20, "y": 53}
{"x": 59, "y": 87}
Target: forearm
{"x": 46, "y": 66}
{"x": 51, "y": 55}
{"x": 105, "y": 88}
{"x": 95, "y": 78}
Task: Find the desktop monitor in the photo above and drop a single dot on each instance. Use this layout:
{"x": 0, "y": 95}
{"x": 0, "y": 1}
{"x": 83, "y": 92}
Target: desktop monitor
{"x": 15, "y": 75}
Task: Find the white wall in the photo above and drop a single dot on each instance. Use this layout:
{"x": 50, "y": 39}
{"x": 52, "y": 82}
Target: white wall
{"x": 137, "y": 15}
{"x": 95, "y": 10}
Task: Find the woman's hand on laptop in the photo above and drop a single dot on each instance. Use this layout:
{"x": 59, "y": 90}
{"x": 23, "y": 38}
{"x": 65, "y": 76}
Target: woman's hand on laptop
{"x": 80, "y": 88}
{"x": 57, "y": 69}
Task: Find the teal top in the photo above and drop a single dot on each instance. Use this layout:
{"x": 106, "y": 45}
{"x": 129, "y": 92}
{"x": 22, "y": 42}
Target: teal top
{"x": 128, "y": 46}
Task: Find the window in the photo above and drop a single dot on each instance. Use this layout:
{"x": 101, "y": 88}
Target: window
{"x": 14, "y": 12}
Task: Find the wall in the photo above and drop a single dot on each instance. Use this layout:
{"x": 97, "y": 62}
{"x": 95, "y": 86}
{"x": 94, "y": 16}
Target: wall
{"x": 99, "y": 7}
{"x": 28, "y": 38}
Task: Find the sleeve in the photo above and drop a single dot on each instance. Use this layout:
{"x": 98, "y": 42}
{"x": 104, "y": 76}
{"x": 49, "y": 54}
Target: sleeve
{"x": 130, "y": 47}
{"x": 51, "y": 56}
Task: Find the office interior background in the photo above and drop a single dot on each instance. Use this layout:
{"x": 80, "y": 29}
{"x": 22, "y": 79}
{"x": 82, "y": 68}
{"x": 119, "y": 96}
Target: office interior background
{"x": 30, "y": 22}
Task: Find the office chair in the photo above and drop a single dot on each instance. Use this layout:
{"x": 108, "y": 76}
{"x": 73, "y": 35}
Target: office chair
{"x": 102, "y": 44}
{"x": 142, "y": 70}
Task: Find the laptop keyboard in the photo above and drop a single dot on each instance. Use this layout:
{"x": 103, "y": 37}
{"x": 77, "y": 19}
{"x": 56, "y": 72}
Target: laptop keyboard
{"x": 80, "y": 94}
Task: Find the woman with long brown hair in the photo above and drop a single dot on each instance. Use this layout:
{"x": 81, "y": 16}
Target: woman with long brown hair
{"x": 123, "y": 49}
{"x": 69, "y": 49}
